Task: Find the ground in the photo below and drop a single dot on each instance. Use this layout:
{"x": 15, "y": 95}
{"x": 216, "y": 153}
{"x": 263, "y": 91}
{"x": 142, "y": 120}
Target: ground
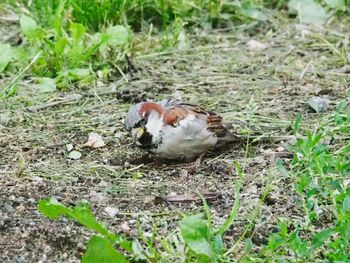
{"x": 259, "y": 91}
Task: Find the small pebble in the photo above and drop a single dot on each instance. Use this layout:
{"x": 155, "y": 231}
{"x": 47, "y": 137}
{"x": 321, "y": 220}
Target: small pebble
{"x": 125, "y": 227}
{"x": 111, "y": 211}
{"x": 20, "y": 208}
{"x": 280, "y": 149}
{"x": 256, "y": 45}
{"x": 318, "y": 104}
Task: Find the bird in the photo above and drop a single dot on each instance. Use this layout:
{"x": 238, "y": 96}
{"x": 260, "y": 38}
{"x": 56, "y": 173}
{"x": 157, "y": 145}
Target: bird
{"x": 172, "y": 129}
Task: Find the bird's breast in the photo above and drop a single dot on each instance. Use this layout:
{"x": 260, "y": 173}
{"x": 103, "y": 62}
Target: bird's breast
{"x": 187, "y": 140}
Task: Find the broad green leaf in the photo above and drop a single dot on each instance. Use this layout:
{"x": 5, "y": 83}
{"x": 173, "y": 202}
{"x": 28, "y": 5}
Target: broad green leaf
{"x": 58, "y": 21}
{"x": 60, "y": 46}
{"x": 138, "y": 250}
{"x": 297, "y": 124}
{"x": 28, "y": 25}
{"x": 74, "y": 155}
{"x": 321, "y": 237}
{"x": 117, "y": 35}
{"x": 282, "y": 168}
{"x": 309, "y": 11}
{"x": 52, "y": 208}
{"x": 283, "y": 228}
{"x": 195, "y": 232}
{"x": 77, "y": 31}
{"x": 254, "y": 13}
{"x": 77, "y": 74}
{"x": 248, "y": 245}
{"x": 335, "y": 3}
{"x": 65, "y": 78}
{"x": 303, "y": 183}
{"x": 218, "y": 244}
{"x": 72, "y": 75}
{"x": 82, "y": 214}
{"x": 5, "y": 56}
{"x": 297, "y": 244}
{"x": 100, "y": 249}
{"x": 86, "y": 81}
{"x": 99, "y": 39}
{"x": 229, "y": 221}
{"x": 275, "y": 241}
{"x": 200, "y": 246}
{"x": 45, "y": 85}
{"x": 346, "y": 203}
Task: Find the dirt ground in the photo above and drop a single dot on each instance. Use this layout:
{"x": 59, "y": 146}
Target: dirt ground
{"x": 260, "y": 91}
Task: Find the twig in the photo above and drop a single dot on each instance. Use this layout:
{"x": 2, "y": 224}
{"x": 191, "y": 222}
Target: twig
{"x": 65, "y": 100}
{"x": 21, "y": 73}
{"x": 305, "y": 69}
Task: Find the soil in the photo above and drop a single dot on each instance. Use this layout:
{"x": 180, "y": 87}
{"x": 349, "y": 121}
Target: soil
{"x": 259, "y": 92}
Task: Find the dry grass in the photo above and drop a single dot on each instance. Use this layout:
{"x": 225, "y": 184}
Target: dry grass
{"x": 260, "y": 92}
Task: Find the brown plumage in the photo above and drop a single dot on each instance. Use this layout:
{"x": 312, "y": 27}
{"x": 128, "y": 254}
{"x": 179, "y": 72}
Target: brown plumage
{"x": 174, "y": 129}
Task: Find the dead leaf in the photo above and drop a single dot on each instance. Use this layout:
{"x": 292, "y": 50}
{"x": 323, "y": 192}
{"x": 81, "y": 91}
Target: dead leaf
{"x": 74, "y": 155}
{"x": 280, "y": 149}
{"x": 125, "y": 227}
{"x": 256, "y": 45}
{"x": 20, "y": 208}
{"x": 10, "y": 17}
{"x": 318, "y": 104}
{"x": 345, "y": 69}
{"x": 95, "y": 141}
{"x": 69, "y": 147}
{"x": 111, "y": 211}
{"x": 187, "y": 198}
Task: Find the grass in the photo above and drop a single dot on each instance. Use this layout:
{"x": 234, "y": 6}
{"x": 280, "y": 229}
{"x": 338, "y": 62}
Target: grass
{"x": 71, "y": 42}
{"x": 319, "y": 175}
{"x": 200, "y": 241}
{"x": 282, "y": 210}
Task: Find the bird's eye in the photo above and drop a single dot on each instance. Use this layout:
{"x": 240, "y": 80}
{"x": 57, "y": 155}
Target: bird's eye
{"x": 140, "y": 123}
{"x": 145, "y": 114}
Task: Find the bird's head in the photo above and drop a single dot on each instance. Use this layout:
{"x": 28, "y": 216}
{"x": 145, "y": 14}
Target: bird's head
{"x": 136, "y": 121}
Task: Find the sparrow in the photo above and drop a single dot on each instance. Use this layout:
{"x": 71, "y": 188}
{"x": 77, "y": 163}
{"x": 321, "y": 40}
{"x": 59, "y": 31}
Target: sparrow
{"x": 172, "y": 129}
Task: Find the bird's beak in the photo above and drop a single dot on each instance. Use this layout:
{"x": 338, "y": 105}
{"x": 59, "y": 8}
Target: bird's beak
{"x": 139, "y": 132}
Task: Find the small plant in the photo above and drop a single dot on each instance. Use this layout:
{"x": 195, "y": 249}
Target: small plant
{"x": 64, "y": 52}
{"x": 319, "y": 173}
{"x": 202, "y": 242}
{"x": 72, "y": 41}
{"x": 102, "y": 244}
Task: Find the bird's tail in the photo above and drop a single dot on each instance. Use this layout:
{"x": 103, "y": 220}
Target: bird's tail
{"x": 228, "y": 140}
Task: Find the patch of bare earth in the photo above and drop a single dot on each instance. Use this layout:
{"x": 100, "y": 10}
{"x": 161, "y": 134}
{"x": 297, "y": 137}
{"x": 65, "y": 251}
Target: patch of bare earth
{"x": 260, "y": 90}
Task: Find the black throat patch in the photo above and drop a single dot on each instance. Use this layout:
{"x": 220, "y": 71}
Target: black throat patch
{"x": 146, "y": 140}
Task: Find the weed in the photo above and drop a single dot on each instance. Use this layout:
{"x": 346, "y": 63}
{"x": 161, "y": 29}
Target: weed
{"x": 319, "y": 174}
{"x": 69, "y": 44}
{"x": 201, "y": 241}
{"x": 75, "y": 35}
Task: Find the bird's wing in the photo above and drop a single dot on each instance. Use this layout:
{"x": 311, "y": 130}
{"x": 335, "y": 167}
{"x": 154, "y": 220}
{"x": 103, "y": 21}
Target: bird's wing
{"x": 175, "y": 111}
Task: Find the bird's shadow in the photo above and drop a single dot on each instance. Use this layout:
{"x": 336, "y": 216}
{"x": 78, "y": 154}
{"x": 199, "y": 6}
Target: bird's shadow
{"x": 156, "y": 161}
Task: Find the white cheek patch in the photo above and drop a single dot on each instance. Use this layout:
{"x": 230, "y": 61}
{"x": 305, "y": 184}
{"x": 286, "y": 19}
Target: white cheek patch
{"x": 154, "y": 125}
